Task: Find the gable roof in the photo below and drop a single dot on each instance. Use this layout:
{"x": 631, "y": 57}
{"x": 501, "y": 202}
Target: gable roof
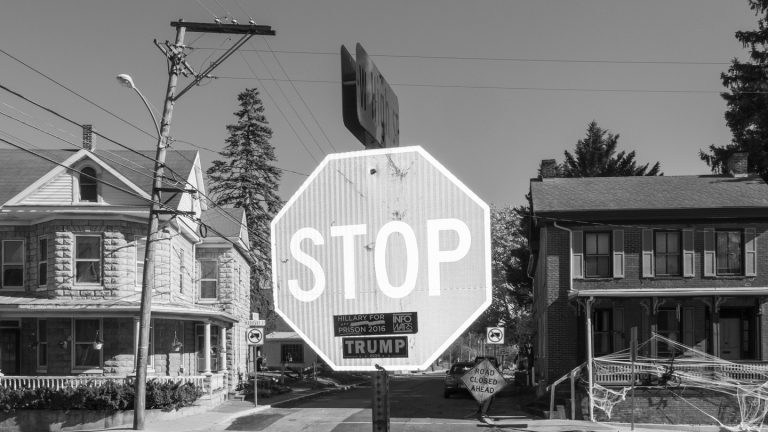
{"x": 20, "y": 169}
{"x": 648, "y": 193}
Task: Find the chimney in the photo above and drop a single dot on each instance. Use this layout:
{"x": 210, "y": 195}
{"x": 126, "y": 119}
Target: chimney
{"x": 548, "y": 168}
{"x": 88, "y": 137}
{"x": 737, "y": 164}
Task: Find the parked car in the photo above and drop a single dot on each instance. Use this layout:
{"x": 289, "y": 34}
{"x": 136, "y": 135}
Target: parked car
{"x": 453, "y": 383}
{"x": 492, "y": 359}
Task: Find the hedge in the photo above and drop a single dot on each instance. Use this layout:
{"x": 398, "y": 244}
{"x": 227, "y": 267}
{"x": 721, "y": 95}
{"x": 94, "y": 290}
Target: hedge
{"x": 112, "y": 396}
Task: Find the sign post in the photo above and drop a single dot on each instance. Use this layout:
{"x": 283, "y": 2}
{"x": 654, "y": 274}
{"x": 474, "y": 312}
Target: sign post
{"x": 254, "y": 336}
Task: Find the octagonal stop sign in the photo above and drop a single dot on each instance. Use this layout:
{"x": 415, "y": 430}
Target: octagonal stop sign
{"x": 382, "y": 257}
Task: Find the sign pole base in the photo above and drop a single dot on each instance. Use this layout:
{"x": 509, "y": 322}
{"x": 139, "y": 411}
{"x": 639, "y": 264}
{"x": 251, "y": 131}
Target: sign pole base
{"x": 380, "y": 399}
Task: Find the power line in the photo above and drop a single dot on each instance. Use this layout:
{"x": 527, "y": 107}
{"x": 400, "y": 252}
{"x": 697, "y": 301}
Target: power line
{"x": 217, "y": 153}
{"x": 266, "y": 91}
{"x": 76, "y": 145}
{"x": 511, "y": 88}
{"x": 288, "y": 101}
{"x": 504, "y": 59}
{"x": 298, "y": 93}
{"x": 78, "y": 94}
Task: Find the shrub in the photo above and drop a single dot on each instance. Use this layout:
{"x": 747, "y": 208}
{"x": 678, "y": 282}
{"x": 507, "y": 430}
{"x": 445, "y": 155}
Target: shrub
{"x": 110, "y": 396}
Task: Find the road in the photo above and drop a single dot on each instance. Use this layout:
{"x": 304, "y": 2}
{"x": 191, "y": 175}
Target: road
{"x": 416, "y": 405}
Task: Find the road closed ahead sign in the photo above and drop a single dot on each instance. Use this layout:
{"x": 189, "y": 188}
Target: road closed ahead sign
{"x": 382, "y": 257}
{"x": 483, "y": 380}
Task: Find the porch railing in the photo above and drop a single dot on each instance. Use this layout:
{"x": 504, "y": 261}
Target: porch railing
{"x": 210, "y": 383}
{"x": 621, "y": 374}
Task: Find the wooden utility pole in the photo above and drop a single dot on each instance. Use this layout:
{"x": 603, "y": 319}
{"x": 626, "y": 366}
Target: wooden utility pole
{"x": 176, "y": 66}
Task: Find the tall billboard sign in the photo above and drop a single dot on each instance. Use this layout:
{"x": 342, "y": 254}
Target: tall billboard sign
{"x": 369, "y": 106}
{"x": 382, "y": 257}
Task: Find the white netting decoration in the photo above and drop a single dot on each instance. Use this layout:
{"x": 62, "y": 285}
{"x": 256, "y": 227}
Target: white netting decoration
{"x": 681, "y": 366}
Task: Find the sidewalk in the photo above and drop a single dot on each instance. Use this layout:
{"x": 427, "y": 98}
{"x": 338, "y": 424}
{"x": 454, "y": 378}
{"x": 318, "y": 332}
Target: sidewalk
{"x": 224, "y": 413}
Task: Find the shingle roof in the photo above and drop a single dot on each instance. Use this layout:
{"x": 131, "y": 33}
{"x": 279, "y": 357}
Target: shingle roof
{"x": 19, "y": 169}
{"x": 647, "y": 193}
{"x": 222, "y": 220}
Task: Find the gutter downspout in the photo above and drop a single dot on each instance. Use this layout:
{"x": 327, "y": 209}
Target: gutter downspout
{"x": 588, "y": 312}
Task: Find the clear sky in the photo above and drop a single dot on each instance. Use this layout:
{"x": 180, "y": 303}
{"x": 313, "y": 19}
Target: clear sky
{"x": 488, "y": 87}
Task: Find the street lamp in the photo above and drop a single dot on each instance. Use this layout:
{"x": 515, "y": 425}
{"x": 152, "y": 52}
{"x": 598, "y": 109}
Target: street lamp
{"x": 147, "y": 281}
{"x": 125, "y": 80}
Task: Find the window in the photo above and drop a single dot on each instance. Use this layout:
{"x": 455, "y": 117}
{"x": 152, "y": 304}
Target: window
{"x": 208, "y": 279}
{"x": 88, "y": 185}
{"x": 13, "y": 263}
{"x": 603, "y": 333}
{"x": 42, "y": 261}
{"x": 728, "y": 252}
{"x": 291, "y": 353}
{"x": 667, "y": 253}
{"x": 87, "y": 259}
{"x": 597, "y": 254}
{"x": 42, "y": 344}
{"x": 140, "y": 248}
{"x": 86, "y": 332}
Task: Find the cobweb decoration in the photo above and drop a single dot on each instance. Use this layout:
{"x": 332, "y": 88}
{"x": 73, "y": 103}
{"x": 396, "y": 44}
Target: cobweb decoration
{"x": 681, "y": 366}
{"x": 606, "y": 399}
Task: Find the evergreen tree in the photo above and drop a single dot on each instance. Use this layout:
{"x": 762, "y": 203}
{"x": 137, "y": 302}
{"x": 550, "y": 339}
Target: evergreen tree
{"x": 246, "y": 178}
{"x": 747, "y": 100}
{"x": 595, "y": 156}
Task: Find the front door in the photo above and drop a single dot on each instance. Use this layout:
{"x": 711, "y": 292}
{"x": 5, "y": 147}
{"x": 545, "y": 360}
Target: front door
{"x": 730, "y": 339}
{"x": 9, "y": 351}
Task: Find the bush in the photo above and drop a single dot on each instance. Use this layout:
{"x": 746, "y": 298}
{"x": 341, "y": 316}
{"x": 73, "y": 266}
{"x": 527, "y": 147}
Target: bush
{"x": 110, "y": 396}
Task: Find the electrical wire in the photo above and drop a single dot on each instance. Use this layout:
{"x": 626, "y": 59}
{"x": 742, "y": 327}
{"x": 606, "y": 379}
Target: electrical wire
{"x": 505, "y": 59}
{"x": 290, "y": 125}
{"x": 299, "y": 94}
{"x": 288, "y": 101}
{"x": 78, "y": 94}
{"x": 511, "y": 88}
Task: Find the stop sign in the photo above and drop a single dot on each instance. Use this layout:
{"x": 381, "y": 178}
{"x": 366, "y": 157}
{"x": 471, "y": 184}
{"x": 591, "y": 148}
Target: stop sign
{"x": 382, "y": 257}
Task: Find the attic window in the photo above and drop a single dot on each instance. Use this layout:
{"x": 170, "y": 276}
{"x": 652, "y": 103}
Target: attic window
{"x": 88, "y": 185}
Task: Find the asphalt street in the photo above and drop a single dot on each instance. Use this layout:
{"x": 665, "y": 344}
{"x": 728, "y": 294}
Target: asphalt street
{"x": 416, "y": 404}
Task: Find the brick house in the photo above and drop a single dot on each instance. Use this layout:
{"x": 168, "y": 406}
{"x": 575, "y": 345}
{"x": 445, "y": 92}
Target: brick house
{"x": 71, "y": 263}
{"x": 685, "y": 257}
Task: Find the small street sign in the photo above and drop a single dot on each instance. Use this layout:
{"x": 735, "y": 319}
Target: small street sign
{"x": 255, "y": 336}
{"x": 255, "y": 323}
{"x": 494, "y": 335}
{"x": 483, "y": 380}
{"x": 371, "y": 242}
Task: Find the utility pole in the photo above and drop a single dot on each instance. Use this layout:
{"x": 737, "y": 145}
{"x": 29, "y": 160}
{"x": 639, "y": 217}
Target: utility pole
{"x": 176, "y": 66}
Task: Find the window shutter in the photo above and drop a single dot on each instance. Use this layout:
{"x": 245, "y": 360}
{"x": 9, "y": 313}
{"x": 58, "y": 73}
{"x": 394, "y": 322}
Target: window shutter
{"x": 689, "y": 326}
{"x": 750, "y": 252}
{"x": 618, "y": 253}
{"x": 618, "y": 329}
{"x": 709, "y": 252}
{"x": 648, "y": 253}
{"x": 688, "y": 255}
{"x": 577, "y": 254}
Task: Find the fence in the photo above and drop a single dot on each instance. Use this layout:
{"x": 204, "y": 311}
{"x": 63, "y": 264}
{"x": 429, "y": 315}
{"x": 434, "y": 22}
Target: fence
{"x": 210, "y": 383}
{"x": 621, "y": 374}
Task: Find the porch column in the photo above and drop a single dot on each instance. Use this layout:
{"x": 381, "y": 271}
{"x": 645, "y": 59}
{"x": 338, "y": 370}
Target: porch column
{"x": 589, "y": 357}
{"x": 223, "y": 350}
{"x": 136, "y": 323}
{"x": 716, "y": 326}
{"x": 207, "y": 348}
